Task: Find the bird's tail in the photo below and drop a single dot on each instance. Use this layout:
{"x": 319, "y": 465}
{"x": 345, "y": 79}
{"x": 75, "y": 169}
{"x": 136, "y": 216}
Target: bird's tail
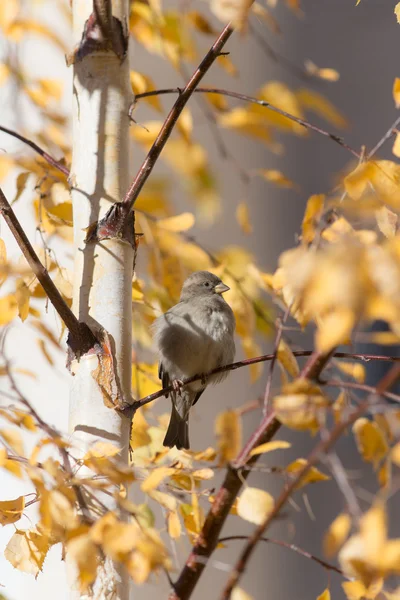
{"x": 178, "y": 431}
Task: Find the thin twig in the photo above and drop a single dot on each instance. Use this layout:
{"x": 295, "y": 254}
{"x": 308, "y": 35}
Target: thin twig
{"x": 300, "y": 551}
{"x": 252, "y": 100}
{"x": 268, "y": 387}
{"x": 269, "y": 357}
{"x": 383, "y": 139}
{"x": 47, "y": 157}
{"x": 173, "y": 116}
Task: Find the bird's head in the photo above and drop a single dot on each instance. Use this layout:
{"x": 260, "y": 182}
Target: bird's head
{"x": 202, "y": 283}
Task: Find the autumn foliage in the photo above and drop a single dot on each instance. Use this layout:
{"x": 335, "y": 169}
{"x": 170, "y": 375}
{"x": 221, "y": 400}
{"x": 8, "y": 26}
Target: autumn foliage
{"x": 342, "y": 276}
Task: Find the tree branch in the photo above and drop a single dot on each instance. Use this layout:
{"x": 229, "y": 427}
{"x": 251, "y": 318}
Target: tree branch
{"x": 300, "y": 551}
{"x": 173, "y": 116}
{"x": 269, "y": 357}
{"x": 47, "y": 157}
{"x": 234, "y": 479}
{"x": 81, "y": 338}
{"x": 324, "y": 446}
{"x": 253, "y": 100}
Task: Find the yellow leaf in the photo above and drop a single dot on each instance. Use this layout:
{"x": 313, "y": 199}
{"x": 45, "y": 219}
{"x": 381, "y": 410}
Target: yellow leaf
{"x": 386, "y": 221}
{"x": 145, "y": 379}
{"x": 300, "y": 405}
{"x": 61, "y": 214}
{"x": 255, "y": 505}
{"x": 275, "y": 176}
{"x": 101, "y": 450}
{"x": 22, "y": 296}
{"x": 156, "y": 477}
{"x": 184, "y": 125}
{"x": 27, "y": 550}
{"x": 334, "y": 329}
{"x": 13, "y": 438}
{"x": 396, "y": 92}
{"x": 371, "y": 440}
{"x": 324, "y": 73}
{"x": 8, "y": 309}
{"x": 397, "y": 11}
{"x": 356, "y": 590}
{"x": 22, "y": 180}
{"x": 181, "y": 222}
{"x": 312, "y": 215}
{"x": 353, "y": 369}
{"x": 247, "y": 122}
{"x": 269, "y": 447}
{"x": 326, "y": 595}
{"x": 337, "y": 534}
{"x": 312, "y": 476}
{"x": 84, "y": 552}
{"x": 250, "y": 347}
{"x": 166, "y": 500}
{"x": 11, "y": 510}
{"x": 287, "y": 359}
{"x": 139, "y": 431}
{"x": 311, "y": 100}
{"x": 142, "y": 83}
{"x": 235, "y": 11}
{"x": 8, "y": 12}
{"x": 239, "y": 594}
{"x": 200, "y": 23}
{"x": 383, "y": 176}
{"x": 228, "y": 428}
{"x": 243, "y": 218}
{"x": 174, "y": 525}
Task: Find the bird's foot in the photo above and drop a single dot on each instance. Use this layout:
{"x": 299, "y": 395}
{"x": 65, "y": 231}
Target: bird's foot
{"x": 177, "y": 384}
{"x": 203, "y": 379}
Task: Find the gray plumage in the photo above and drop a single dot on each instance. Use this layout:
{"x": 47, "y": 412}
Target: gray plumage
{"x": 194, "y": 337}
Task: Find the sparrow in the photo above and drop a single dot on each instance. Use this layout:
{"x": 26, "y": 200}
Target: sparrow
{"x": 192, "y": 338}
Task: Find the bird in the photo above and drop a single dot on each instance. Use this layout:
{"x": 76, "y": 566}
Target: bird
{"x": 192, "y": 338}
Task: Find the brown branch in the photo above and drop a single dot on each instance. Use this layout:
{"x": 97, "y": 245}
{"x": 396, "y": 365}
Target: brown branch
{"x": 173, "y": 116}
{"x": 269, "y": 357}
{"x": 81, "y": 338}
{"x": 234, "y": 479}
{"x": 47, "y": 157}
{"x": 251, "y": 99}
{"x": 362, "y": 387}
{"x": 292, "y": 547}
{"x": 322, "y": 448}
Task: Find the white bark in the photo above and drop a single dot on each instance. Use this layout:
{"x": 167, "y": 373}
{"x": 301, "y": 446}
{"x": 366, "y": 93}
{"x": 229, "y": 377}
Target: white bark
{"x": 103, "y": 271}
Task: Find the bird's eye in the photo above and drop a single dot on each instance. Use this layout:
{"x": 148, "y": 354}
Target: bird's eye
{"x": 207, "y": 284}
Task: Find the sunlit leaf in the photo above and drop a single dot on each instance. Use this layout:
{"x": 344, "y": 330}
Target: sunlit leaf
{"x": 255, "y": 505}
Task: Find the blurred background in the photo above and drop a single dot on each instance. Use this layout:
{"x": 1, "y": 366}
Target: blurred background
{"x": 362, "y": 43}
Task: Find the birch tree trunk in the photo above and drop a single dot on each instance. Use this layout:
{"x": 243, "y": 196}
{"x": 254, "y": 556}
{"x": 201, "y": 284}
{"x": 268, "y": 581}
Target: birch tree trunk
{"x": 102, "y": 271}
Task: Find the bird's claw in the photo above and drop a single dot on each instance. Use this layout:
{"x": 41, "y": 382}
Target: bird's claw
{"x": 177, "y": 384}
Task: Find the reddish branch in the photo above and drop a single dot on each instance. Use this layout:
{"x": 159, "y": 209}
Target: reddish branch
{"x": 173, "y": 116}
{"x": 269, "y": 357}
{"x": 323, "y": 447}
{"x": 264, "y": 103}
{"x": 234, "y": 479}
{"x": 296, "y": 549}
{"x": 47, "y": 157}
{"x": 81, "y": 338}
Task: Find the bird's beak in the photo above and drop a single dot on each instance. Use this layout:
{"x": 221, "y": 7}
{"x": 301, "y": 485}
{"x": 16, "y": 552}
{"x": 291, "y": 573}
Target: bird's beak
{"x": 220, "y": 288}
